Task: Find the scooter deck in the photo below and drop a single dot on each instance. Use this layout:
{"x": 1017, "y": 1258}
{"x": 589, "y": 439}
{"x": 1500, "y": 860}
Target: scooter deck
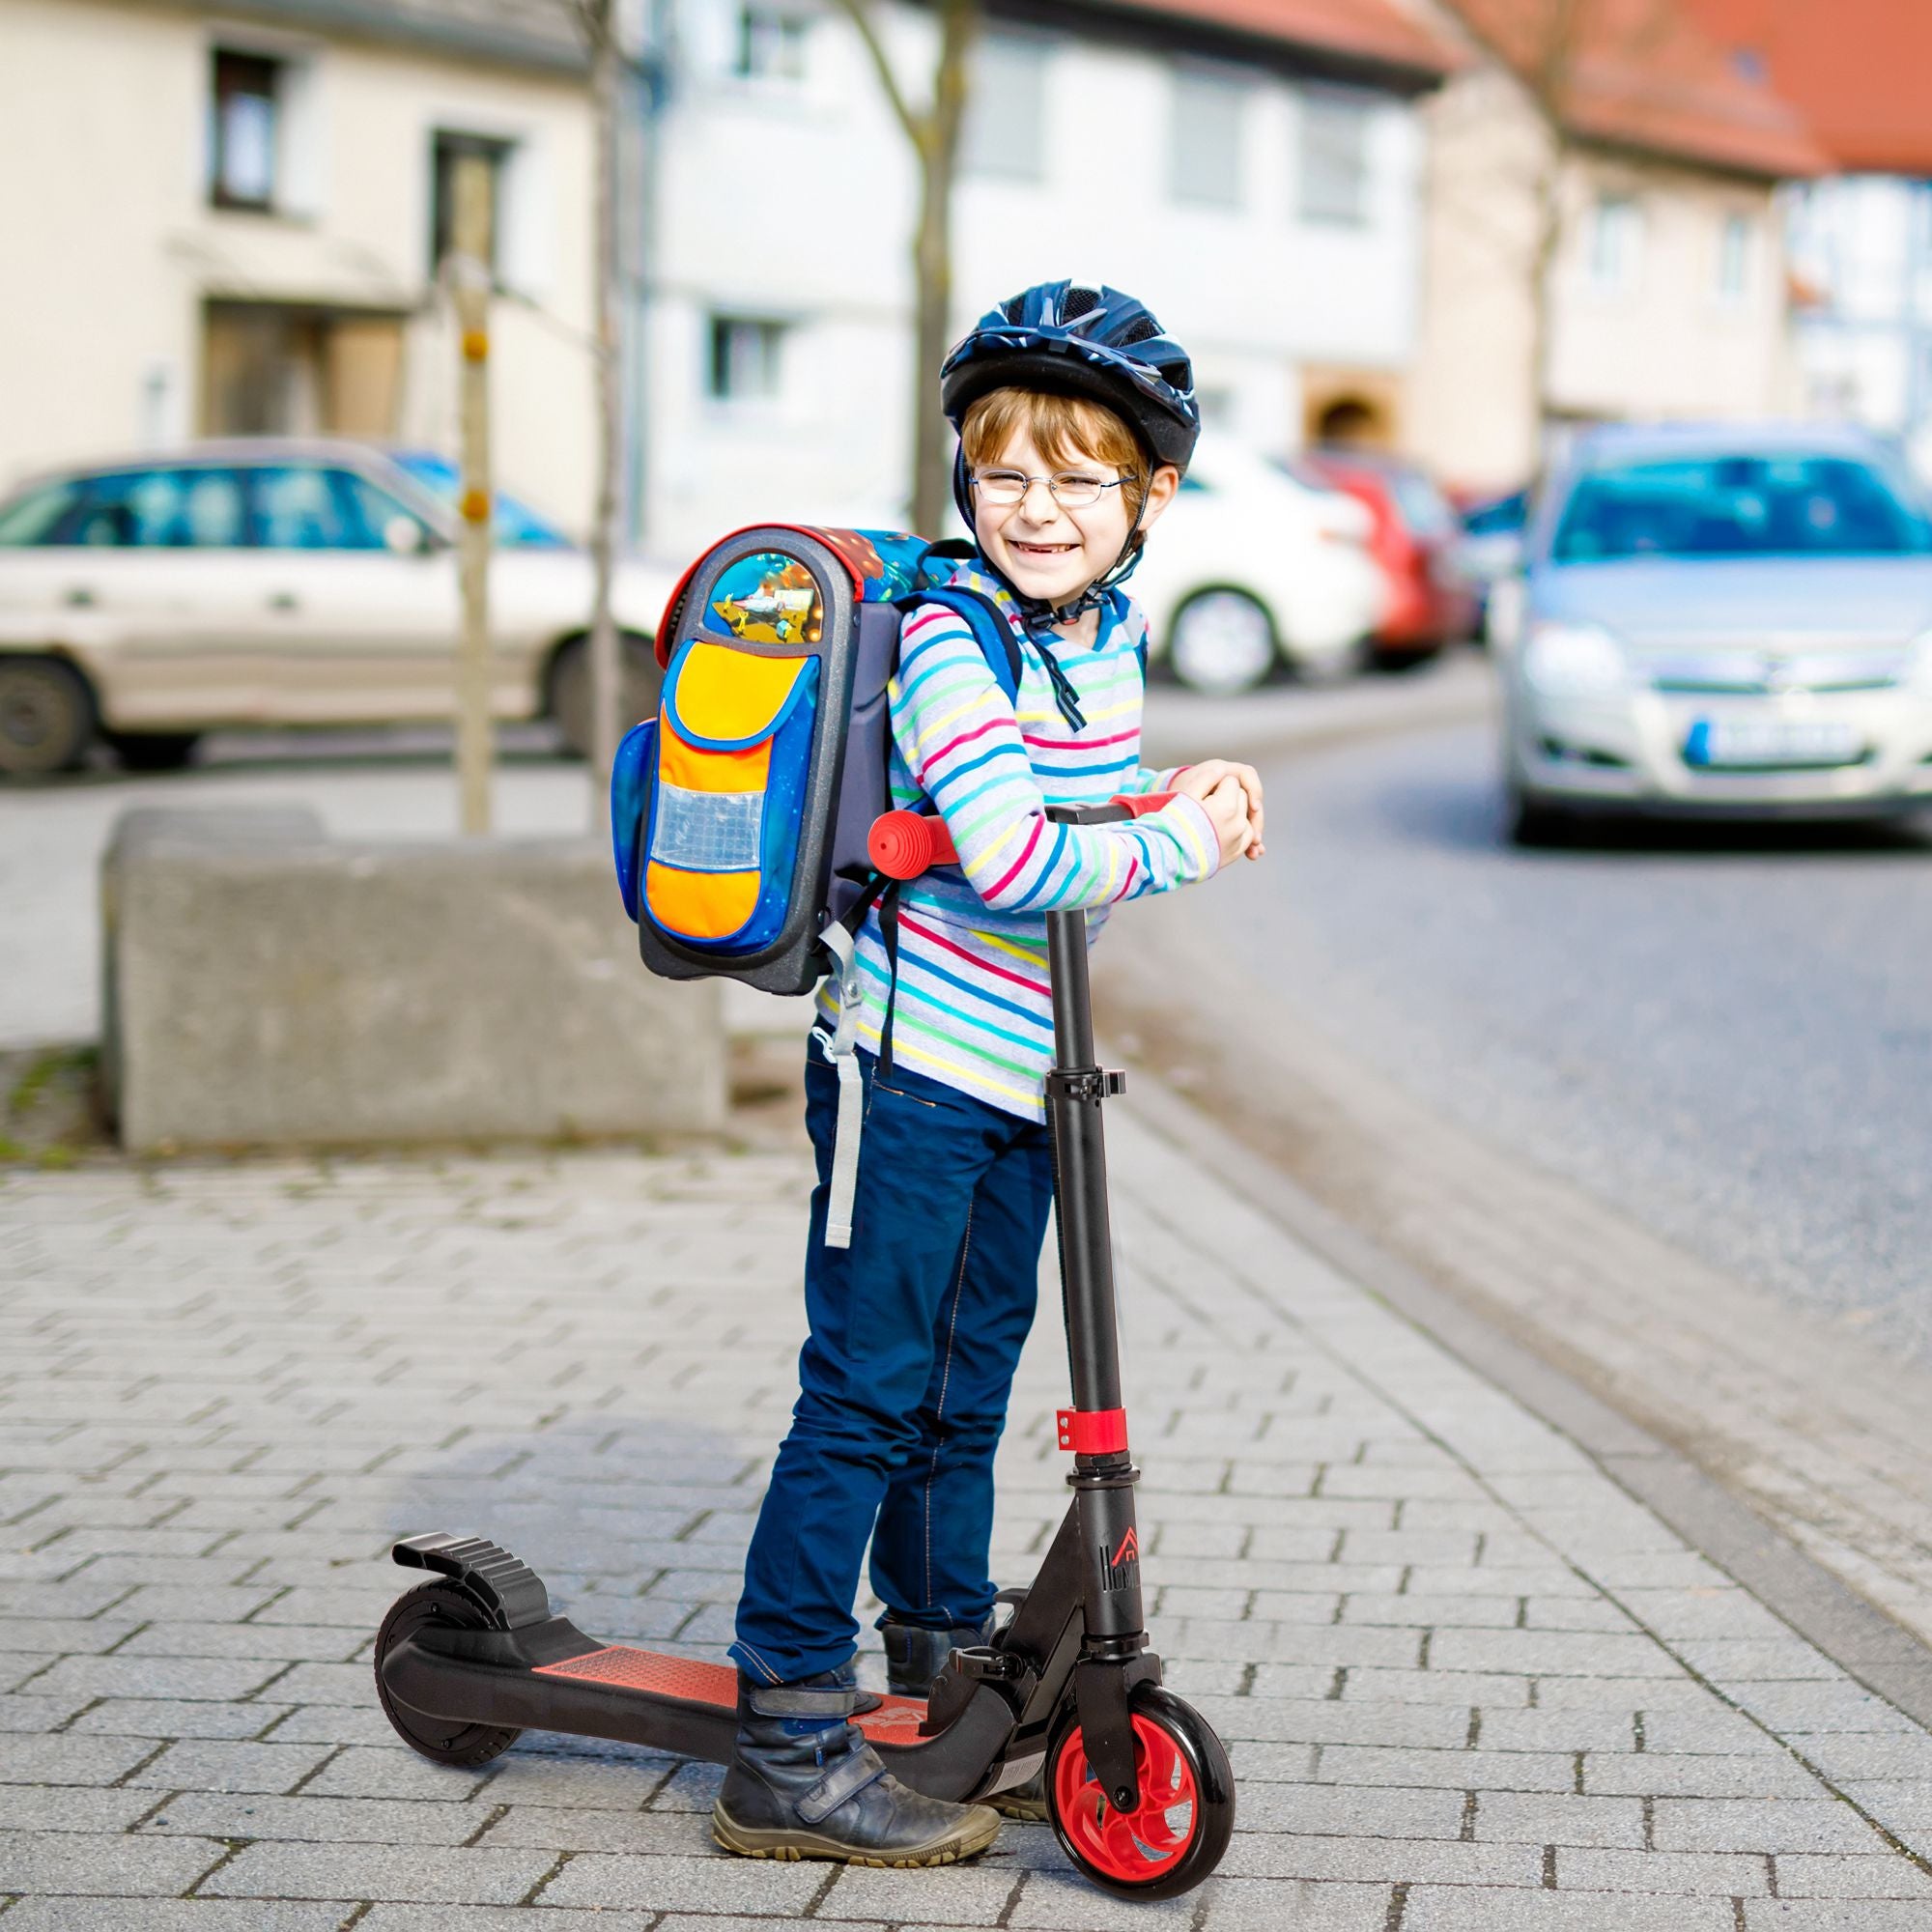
{"x": 714, "y": 1687}
{"x": 517, "y": 1667}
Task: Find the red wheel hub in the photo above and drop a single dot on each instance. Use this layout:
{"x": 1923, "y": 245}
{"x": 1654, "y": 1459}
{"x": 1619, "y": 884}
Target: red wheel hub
{"x": 1137, "y": 1845}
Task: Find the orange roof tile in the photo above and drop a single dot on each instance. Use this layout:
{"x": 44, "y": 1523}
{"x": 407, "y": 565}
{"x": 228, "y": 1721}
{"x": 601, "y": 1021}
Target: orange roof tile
{"x": 1860, "y": 69}
{"x": 1641, "y": 73}
{"x": 1378, "y": 30}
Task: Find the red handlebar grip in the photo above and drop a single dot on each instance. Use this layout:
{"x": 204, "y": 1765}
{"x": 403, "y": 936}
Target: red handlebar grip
{"x": 903, "y": 844}
{"x": 1140, "y": 803}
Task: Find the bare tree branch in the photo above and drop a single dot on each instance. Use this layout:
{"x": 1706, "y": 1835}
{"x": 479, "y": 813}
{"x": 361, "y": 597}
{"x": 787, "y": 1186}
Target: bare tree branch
{"x": 917, "y": 125}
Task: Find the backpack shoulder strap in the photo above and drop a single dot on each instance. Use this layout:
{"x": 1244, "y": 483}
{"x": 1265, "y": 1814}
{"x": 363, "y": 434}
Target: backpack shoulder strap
{"x": 987, "y": 622}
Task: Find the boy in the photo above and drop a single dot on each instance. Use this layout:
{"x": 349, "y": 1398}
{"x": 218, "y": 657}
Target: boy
{"x": 1076, "y": 418}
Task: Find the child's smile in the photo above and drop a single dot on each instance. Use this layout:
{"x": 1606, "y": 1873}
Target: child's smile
{"x": 1044, "y": 550}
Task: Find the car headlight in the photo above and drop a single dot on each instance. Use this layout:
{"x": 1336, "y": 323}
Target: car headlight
{"x": 1574, "y": 661}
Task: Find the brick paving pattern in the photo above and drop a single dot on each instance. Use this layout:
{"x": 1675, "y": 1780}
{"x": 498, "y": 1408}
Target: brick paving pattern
{"x": 1467, "y": 1684}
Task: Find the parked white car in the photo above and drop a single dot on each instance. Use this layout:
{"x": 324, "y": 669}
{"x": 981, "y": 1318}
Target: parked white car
{"x": 275, "y": 581}
{"x": 1250, "y": 564}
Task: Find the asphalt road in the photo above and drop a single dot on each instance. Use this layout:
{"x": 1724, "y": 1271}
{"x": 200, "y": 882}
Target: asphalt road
{"x": 1725, "y": 1035}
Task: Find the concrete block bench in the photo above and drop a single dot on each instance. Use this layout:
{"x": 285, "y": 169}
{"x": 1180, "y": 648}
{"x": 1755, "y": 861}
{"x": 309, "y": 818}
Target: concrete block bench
{"x": 266, "y": 986}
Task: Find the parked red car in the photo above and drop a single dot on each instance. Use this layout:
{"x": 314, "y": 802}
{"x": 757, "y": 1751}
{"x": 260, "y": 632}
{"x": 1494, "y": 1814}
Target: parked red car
{"x": 1415, "y": 541}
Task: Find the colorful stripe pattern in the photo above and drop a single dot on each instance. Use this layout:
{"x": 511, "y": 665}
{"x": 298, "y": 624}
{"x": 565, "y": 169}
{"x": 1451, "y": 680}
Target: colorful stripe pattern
{"x": 974, "y": 1009}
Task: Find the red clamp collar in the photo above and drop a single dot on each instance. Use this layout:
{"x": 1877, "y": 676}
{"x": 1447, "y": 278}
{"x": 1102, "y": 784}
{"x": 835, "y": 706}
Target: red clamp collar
{"x": 1092, "y": 1432}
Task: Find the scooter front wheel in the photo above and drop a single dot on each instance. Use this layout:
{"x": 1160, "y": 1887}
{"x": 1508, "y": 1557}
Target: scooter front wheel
{"x": 1176, "y": 1834}
{"x": 445, "y": 1741}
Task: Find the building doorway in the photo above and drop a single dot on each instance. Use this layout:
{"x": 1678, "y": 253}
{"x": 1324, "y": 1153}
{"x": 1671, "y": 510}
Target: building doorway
{"x": 1350, "y": 408}
{"x": 290, "y": 369}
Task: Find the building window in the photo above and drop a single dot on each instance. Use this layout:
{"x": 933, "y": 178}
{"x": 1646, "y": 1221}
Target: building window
{"x": 244, "y": 129}
{"x": 1734, "y": 258}
{"x": 1205, "y": 155}
{"x": 1334, "y": 159}
{"x": 745, "y": 361}
{"x": 1006, "y": 115}
{"x": 1616, "y": 243}
{"x": 770, "y": 44}
{"x": 447, "y": 149}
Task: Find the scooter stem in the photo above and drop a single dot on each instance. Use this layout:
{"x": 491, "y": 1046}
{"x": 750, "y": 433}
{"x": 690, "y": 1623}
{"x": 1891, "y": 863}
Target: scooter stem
{"x": 1075, "y": 1090}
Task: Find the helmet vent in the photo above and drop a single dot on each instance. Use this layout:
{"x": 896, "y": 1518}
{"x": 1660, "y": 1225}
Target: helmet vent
{"x": 1078, "y": 303}
{"x": 1139, "y": 330}
{"x": 1015, "y": 308}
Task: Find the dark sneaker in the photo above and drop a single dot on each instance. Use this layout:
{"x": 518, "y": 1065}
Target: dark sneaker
{"x": 804, "y": 1783}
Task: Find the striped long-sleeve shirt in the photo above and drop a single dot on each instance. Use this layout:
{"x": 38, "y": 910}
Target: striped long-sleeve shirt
{"x": 974, "y": 1008}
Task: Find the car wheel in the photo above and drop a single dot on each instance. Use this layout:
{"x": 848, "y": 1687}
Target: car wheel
{"x": 639, "y": 681}
{"x": 46, "y": 717}
{"x": 1410, "y": 657}
{"x": 1536, "y": 824}
{"x": 154, "y": 751}
{"x": 1221, "y": 641}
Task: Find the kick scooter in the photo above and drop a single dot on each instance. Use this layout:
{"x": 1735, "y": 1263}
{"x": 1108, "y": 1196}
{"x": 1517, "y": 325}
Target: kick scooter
{"x": 1137, "y": 1784}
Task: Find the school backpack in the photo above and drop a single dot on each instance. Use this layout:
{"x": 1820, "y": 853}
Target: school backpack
{"x": 740, "y": 815}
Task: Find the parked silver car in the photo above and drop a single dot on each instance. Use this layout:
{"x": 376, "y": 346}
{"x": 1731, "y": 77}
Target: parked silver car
{"x": 272, "y": 582}
{"x": 1719, "y": 620}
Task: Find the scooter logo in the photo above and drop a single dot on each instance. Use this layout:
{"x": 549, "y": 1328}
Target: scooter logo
{"x": 1122, "y": 1566}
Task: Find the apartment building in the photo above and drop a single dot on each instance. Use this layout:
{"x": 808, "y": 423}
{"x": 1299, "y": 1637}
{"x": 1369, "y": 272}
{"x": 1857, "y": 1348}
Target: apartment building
{"x": 1250, "y": 168}
{"x": 230, "y": 219}
{"x": 1659, "y": 292}
{"x": 1860, "y": 236}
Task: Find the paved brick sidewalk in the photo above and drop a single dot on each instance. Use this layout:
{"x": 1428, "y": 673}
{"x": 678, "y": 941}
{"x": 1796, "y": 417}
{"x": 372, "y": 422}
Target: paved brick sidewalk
{"x": 1468, "y": 1684}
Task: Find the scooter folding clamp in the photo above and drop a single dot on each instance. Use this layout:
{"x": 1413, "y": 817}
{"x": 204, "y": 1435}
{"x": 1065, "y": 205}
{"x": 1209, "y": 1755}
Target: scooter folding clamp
{"x": 1087, "y": 1083}
{"x": 1092, "y": 1432}
{"x": 964, "y": 1671}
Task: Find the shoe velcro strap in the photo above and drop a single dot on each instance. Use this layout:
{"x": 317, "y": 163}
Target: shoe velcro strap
{"x": 830, "y": 1701}
{"x": 846, "y": 1779}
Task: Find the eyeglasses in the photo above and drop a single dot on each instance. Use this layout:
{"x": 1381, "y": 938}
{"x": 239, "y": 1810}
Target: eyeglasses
{"x": 1070, "y": 489}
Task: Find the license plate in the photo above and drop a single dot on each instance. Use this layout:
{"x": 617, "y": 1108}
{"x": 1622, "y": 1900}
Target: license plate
{"x": 1764, "y": 744}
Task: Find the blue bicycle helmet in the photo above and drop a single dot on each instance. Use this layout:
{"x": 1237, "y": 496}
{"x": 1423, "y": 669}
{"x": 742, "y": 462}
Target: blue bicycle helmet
{"x": 1077, "y": 341}
{"x": 1068, "y": 339}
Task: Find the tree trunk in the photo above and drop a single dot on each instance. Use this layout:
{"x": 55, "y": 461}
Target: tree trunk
{"x": 932, "y": 270}
{"x": 606, "y": 676}
{"x": 470, "y": 280}
{"x": 937, "y": 147}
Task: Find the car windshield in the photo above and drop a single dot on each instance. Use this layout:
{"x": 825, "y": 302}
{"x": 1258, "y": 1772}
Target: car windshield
{"x": 1504, "y": 517}
{"x": 1717, "y": 506}
{"x": 1424, "y": 508}
{"x": 29, "y": 518}
{"x": 514, "y": 522}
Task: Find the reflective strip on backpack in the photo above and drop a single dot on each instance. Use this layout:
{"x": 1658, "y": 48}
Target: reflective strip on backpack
{"x": 839, "y": 1048}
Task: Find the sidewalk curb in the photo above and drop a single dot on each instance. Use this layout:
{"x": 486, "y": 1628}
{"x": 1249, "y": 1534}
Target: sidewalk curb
{"x": 1864, "y": 1643}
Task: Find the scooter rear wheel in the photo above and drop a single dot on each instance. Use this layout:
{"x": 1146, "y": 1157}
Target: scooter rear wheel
{"x": 1176, "y": 1835}
{"x": 443, "y": 1742}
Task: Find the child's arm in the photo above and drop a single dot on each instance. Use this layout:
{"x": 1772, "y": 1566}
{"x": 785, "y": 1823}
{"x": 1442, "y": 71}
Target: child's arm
{"x": 957, "y": 733}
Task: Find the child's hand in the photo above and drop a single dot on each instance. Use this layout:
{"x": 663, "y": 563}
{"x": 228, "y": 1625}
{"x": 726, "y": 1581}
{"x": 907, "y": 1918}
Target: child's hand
{"x": 1197, "y": 781}
{"x": 1227, "y": 810}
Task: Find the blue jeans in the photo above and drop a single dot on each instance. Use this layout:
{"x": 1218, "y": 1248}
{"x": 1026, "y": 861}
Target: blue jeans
{"x": 916, "y": 1330}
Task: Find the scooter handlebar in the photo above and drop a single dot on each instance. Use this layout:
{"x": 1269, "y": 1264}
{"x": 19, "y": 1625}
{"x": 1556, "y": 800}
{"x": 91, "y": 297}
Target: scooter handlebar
{"x": 903, "y": 844}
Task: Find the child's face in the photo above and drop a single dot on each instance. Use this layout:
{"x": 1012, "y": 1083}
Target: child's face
{"x": 1046, "y": 550}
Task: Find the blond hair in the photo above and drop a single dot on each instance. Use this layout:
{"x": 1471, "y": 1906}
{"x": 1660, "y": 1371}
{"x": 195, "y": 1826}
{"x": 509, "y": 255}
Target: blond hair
{"x": 1063, "y": 429}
